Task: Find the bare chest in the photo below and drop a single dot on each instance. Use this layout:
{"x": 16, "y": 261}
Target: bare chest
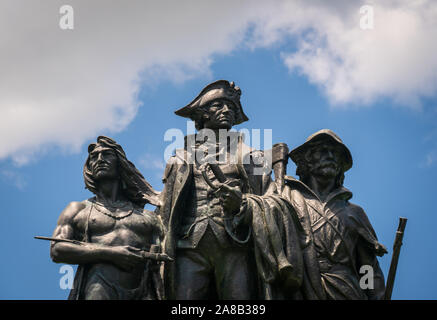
{"x": 117, "y": 227}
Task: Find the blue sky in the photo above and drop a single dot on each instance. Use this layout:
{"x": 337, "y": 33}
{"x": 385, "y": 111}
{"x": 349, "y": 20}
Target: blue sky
{"x": 390, "y": 129}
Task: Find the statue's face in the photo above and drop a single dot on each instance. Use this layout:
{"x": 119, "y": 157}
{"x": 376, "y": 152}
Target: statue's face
{"x": 325, "y": 160}
{"x": 221, "y": 114}
{"x": 103, "y": 163}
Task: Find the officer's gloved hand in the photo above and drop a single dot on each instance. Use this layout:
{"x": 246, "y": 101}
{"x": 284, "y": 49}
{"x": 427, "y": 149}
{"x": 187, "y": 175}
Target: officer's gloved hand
{"x": 230, "y": 196}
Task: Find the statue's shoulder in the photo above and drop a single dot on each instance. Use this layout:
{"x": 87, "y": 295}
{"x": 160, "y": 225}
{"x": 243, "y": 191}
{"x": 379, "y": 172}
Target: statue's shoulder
{"x": 173, "y": 162}
{"x": 357, "y": 211}
{"x": 365, "y": 228}
{"x": 77, "y": 206}
{"x": 72, "y": 210}
{"x": 354, "y": 207}
{"x": 293, "y": 183}
{"x": 290, "y": 185}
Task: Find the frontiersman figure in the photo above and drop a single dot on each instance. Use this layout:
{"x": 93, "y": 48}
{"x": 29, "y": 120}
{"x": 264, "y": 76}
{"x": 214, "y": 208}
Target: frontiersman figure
{"x": 112, "y": 231}
{"x": 229, "y": 235}
{"x": 339, "y": 237}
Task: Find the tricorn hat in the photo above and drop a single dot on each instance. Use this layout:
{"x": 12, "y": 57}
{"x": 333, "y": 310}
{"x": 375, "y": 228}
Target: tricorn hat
{"x": 221, "y": 89}
{"x": 297, "y": 154}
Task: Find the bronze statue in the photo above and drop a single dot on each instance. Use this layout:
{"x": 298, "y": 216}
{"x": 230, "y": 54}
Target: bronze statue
{"x": 230, "y": 236}
{"x": 339, "y": 238}
{"x": 228, "y": 231}
{"x": 109, "y": 236}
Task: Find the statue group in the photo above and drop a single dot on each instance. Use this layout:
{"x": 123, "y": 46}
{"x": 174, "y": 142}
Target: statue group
{"x": 221, "y": 229}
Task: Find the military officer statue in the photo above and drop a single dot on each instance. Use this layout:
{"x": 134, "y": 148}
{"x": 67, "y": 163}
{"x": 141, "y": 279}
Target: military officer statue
{"x": 216, "y": 234}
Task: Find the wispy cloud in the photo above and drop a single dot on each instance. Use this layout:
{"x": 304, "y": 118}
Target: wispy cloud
{"x": 151, "y": 161}
{"x": 14, "y": 178}
{"x": 430, "y": 141}
{"x": 431, "y": 158}
{"x": 395, "y": 59}
{"x": 60, "y": 88}
{"x": 152, "y": 164}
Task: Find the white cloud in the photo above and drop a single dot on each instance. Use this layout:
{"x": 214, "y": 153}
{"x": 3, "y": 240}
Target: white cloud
{"x": 60, "y": 88}
{"x": 431, "y": 158}
{"x": 15, "y": 178}
{"x": 151, "y": 161}
{"x": 395, "y": 59}
{"x": 430, "y": 141}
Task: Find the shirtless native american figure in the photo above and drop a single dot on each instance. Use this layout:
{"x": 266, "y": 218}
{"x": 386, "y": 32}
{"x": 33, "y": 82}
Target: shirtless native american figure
{"x": 112, "y": 231}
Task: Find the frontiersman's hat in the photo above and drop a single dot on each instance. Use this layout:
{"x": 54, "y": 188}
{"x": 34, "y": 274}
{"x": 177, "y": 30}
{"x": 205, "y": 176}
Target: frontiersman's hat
{"x": 221, "y": 89}
{"x": 297, "y": 155}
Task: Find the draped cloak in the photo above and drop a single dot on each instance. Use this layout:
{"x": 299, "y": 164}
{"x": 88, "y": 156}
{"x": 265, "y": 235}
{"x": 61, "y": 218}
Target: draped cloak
{"x": 266, "y": 222}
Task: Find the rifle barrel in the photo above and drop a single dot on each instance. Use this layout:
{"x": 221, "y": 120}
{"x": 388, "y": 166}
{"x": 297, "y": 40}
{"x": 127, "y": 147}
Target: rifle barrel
{"x": 279, "y": 163}
{"x": 57, "y": 239}
{"x": 395, "y": 258}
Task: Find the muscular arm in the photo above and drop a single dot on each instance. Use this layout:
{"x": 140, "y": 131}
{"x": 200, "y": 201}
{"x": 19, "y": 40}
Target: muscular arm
{"x": 63, "y": 252}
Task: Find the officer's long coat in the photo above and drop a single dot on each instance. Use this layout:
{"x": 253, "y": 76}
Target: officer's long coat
{"x": 268, "y": 222}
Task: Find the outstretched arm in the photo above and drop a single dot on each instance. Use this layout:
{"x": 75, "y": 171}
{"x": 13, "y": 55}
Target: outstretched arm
{"x": 62, "y": 252}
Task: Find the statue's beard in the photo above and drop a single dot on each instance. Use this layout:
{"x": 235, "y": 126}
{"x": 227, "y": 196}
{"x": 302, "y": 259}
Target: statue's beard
{"x": 326, "y": 170}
